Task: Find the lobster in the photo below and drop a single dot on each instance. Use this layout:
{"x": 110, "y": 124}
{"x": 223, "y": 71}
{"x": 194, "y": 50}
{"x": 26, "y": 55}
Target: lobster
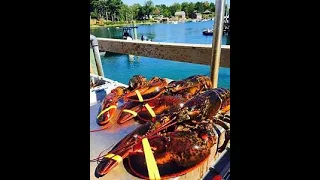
{"x": 149, "y": 111}
{"x": 161, "y": 97}
{"x": 110, "y": 102}
{"x": 156, "y": 86}
{"x": 180, "y": 140}
{"x": 153, "y": 93}
{"x": 190, "y": 86}
{"x": 187, "y": 87}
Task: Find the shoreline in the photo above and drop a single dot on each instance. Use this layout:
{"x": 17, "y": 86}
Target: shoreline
{"x": 124, "y": 24}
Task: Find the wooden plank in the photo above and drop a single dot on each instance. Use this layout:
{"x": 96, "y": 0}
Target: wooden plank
{"x": 191, "y": 53}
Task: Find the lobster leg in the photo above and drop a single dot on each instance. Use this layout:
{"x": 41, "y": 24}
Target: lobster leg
{"x": 224, "y": 121}
{"x": 227, "y": 139}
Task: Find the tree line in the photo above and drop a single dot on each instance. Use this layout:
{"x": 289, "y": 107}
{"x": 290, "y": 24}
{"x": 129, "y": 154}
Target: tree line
{"x": 116, "y": 10}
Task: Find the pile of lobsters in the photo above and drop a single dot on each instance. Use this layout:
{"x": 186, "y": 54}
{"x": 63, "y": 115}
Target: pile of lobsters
{"x": 182, "y": 121}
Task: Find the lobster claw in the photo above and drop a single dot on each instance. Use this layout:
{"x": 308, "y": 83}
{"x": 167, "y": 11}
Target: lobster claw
{"x": 107, "y": 164}
{"x": 128, "y": 112}
{"x": 109, "y": 105}
{"x": 129, "y": 144}
{"x": 147, "y": 113}
{"x": 106, "y": 112}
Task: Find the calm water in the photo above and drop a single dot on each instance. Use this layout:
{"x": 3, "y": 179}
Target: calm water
{"x": 119, "y": 67}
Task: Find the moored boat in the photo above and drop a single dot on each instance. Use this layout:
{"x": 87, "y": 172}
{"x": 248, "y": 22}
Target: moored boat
{"x": 207, "y": 32}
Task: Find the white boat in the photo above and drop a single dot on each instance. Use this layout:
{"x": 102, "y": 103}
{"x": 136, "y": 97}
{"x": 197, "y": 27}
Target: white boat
{"x": 207, "y": 32}
{"x": 100, "y": 86}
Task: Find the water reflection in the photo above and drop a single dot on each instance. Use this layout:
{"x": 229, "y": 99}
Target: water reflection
{"x": 133, "y": 61}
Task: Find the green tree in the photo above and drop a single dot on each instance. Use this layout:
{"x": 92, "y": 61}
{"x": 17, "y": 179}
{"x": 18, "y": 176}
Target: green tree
{"x": 125, "y": 13}
{"x": 94, "y": 14}
{"x": 117, "y": 10}
{"x": 156, "y": 11}
{"x": 166, "y": 12}
{"x": 141, "y": 13}
{"x": 163, "y": 6}
{"x": 114, "y": 7}
{"x": 101, "y": 8}
{"x": 92, "y": 5}
{"x": 148, "y": 8}
{"x": 184, "y": 7}
{"x": 212, "y": 7}
{"x": 174, "y": 8}
{"x": 191, "y": 9}
{"x": 206, "y": 5}
{"x": 199, "y": 7}
{"x": 135, "y": 8}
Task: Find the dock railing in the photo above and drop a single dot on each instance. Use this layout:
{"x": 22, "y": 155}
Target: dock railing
{"x": 182, "y": 52}
{"x": 191, "y": 53}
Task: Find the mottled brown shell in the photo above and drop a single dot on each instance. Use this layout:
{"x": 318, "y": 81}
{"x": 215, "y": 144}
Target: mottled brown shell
{"x": 187, "y": 149}
{"x": 137, "y": 81}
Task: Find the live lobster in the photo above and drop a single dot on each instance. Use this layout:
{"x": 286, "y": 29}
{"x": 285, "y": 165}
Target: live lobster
{"x": 180, "y": 140}
{"x": 156, "y": 94}
{"x": 110, "y": 102}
